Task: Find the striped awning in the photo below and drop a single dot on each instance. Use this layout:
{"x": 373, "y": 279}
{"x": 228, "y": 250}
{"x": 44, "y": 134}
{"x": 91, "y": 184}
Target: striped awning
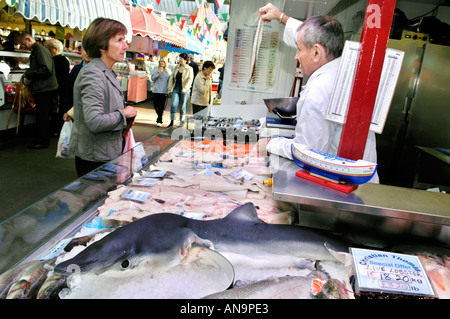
{"x": 72, "y": 13}
{"x": 152, "y": 25}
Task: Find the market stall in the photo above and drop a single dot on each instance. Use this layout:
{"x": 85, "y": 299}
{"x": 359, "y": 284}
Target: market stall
{"x": 205, "y": 177}
{"x": 207, "y": 210}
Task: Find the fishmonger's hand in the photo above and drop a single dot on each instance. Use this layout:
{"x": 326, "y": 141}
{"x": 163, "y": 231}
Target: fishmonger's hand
{"x": 269, "y": 12}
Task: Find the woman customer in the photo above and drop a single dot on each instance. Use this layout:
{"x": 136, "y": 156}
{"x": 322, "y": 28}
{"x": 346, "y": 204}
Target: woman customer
{"x": 180, "y": 83}
{"x": 202, "y": 87}
{"x": 99, "y": 112}
{"x": 62, "y": 69}
{"x": 161, "y": 78}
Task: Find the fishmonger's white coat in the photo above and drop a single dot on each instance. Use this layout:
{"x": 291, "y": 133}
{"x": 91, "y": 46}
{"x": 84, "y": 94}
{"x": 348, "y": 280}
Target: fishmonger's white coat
{"x": 312, "y": 128}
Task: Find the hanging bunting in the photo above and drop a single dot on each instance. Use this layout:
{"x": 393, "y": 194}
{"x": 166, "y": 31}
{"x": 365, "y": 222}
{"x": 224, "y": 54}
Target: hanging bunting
{"x": 178, "y": 2}
{"x": 225, "y": 16}
{"x": 208, "y": 24}
{"x": 172, "y": 21}
{"x": 178, "y": 15}
{"x": 158, "y": 1}
{"x": 219, "y": 3}
{"x": 182, "y": 24}
{"x": 193, "y": 17}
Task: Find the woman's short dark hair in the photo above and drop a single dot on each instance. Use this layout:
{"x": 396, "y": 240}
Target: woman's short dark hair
{"x": 98, "y": 34}
{"x": 184, "y": 56}
{"x": 208, "y": 64}
{"x": 325, "y": 31}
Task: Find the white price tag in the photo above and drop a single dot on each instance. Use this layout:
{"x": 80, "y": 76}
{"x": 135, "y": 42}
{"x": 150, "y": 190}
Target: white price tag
{"x": 388, "y": 272}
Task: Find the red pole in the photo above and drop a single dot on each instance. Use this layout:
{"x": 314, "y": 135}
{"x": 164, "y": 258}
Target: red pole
{"x": 374, "y": 38}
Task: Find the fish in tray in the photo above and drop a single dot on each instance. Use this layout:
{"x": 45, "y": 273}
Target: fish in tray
{"x": 332, "y": 167}
{"x": 160, "y": 241}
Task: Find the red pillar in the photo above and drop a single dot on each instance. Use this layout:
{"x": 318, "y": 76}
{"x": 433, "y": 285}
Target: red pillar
{"x": 374, "y": 38}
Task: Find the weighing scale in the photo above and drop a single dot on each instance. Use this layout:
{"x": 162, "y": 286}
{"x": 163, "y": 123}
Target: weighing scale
{"x": 284, "y": 124}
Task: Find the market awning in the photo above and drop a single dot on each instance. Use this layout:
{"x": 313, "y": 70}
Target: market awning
{"x": 72, "y": 13}
{"x": 152, "y": 25}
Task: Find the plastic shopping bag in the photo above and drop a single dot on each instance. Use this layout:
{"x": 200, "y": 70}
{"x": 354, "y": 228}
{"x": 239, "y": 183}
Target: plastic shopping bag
{"x": 140, "y": 158}
{"x": 62, "y": 150}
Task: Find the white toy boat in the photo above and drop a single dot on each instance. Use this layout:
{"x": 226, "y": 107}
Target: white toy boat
{"x": 332, "y": 167}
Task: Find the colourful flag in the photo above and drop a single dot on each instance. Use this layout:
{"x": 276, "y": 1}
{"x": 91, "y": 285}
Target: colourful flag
{"x": 219, "y": 3}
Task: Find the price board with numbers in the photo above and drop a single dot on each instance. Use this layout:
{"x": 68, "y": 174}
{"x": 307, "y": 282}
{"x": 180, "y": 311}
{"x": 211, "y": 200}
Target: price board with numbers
{"x": 387, "y": 272}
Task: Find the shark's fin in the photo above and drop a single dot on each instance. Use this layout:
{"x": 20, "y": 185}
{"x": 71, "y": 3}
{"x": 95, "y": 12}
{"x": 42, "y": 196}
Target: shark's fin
{"x": 246, "y": 212}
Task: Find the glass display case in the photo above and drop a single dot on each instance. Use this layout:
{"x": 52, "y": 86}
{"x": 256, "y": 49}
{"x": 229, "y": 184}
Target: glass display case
{"x": 38, "y": 227}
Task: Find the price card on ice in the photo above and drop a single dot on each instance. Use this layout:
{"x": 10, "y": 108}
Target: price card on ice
{"x": 387, "y": 272}
{"x": 135, "y": 195}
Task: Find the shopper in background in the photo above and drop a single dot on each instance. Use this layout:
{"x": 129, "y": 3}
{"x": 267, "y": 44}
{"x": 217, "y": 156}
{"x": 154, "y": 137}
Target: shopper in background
{"x": 193, "y": 65}
{"x": 161, "y": 78}
{"x": 62, "y": 67}
{"x": 44, "y": 84}
{"x": 221, "y": 72}
{"x": 202, "y": 87}
{"x": 100, "y": 114}
{"x": 68, "y": 103}
{"x": 180, "y": 83}
{"x": 11, "y": 44}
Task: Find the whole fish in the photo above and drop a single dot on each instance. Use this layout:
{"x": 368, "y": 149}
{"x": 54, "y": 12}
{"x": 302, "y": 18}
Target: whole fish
{"x": 30, "y": 281}
{"x": 52, "y": 286}
{"x": 8, "y": 278}
{"x": 287, "y": 287}
{"x": 160, "y": 241}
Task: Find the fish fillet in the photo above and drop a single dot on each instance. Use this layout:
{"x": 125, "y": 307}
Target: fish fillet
{"x": 255, "y": 50}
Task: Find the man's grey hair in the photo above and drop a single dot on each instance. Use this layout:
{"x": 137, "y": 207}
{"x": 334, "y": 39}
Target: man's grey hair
{"x": 325, "y": 31}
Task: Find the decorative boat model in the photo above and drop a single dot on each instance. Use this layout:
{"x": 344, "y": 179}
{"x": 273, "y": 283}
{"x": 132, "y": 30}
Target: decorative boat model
{"x": 331, "y": 167}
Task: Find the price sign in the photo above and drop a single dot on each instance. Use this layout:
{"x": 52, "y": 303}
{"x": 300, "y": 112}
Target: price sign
{"x": 388, "y": 272}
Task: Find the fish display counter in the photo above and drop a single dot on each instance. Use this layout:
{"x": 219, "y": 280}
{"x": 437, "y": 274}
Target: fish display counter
{"x": 185, "y": 210}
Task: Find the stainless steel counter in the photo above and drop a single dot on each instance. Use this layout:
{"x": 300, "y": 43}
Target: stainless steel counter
{"x": 378, "y": 208}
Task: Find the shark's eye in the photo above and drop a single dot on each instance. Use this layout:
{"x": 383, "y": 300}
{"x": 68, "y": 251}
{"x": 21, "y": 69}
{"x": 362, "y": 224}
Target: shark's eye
{"x": 125, "y": 264}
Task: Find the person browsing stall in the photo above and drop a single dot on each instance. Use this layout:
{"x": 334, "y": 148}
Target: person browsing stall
{"x": 160, "y": 76}
{"x": 62, "y": 68}
{"x": 180, "y": 83}
{"x": 100, "y": 114}
{"x": 68, "y": 103}
{"x": 42, "y": 75}
{"x": 202, "y": 88}
{"x": 319, "y": 41}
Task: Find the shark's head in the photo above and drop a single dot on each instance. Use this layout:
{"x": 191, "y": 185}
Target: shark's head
{"x": 106, "y": 255}
{"x": 143, "y": 245}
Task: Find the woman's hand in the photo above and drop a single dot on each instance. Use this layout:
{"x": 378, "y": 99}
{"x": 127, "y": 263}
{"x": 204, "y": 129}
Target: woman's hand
{"x": 66, "y": 117}
{"x": 129, "y": 111}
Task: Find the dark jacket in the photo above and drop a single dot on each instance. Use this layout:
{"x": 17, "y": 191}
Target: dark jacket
{"x": 42, "y": 72}
{"x": 62, "y": 68}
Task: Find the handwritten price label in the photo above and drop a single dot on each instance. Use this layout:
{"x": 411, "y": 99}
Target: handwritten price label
{"x": 390, "y": 272}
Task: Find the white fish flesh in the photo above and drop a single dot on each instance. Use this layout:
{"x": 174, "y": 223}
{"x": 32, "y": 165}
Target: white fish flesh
{"x": 255, "y": 49}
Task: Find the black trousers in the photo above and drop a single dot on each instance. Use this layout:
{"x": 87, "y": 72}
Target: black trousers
{"x": 44, "y": 104}
{"x": 159, "y": 101}
{"x": 197, "y": 108}
{"x": 83, "y": 167}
